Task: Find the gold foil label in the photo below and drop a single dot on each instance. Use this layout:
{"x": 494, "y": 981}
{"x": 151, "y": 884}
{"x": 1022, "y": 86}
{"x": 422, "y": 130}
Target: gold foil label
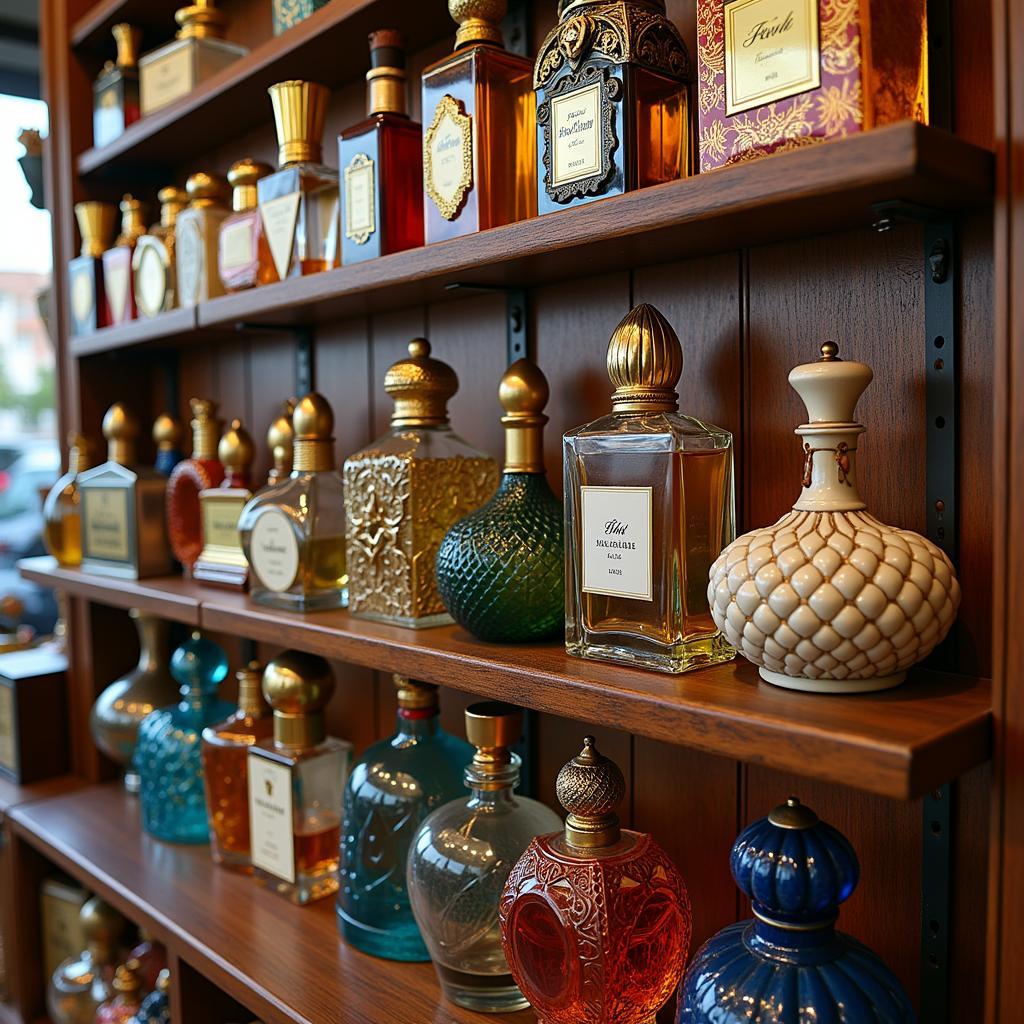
{"x": 105, "y": 518}
{"x": 448, "y": 157}
{"x": 274, "y": 551}
{"x": 270, "y": 814}
{"x": 7, "y": 753}
{"x": 166, "y": 78}
{"x": 83, "y": 296}
{"x": 236, "y": 244}
{"x": 617, "y": 541}
{"x": 280, "y": 216}
{"x": 115, "y": 279}
{"x": 150, "y": 277}
{"x": 576, "y": 135}
{"x": 220, "y": 520}
{"x": 190, "y": 258}
{"x": 360, "y": 199}
{"x": 772, "y": 51}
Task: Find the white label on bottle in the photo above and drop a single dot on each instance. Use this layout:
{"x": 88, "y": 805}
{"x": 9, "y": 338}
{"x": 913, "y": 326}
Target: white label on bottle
{"x": 7, "y": 759}
{"x": 82, "y": 297}
{"x": 274, "y": 551}
{"x": 272, "y": 826}
{"x": 360, "y": 219}
{"x": 236, "y": 244}
{"x": 167, "y": 77}
{"x": 115, "y": 280}
{"x": 576, "y": 135}
{"x": 105, "y": 523}
{"x": 150, "y": 278}
{"x": 772, "y": 51}
{"x": 189, "y": 255}
{"x": 279, "y": 219}
{"x": 617, "y": 541}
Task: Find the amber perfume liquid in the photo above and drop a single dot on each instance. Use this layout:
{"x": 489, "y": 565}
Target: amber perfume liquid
{"x": 299, "y": 213}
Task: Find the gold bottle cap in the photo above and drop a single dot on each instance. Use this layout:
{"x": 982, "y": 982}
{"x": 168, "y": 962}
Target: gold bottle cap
{"x": 414, "y": 695}
{"x": 645, "y": 362}
{"x": 793, "y": 815}
{"x": 96, "y": 226}
{"x": 298, "y": 686}
{"x": 128, "y": 978}
{"x": 102, "y": 928}
{"x": 492, "y": 727}
{"x": 172, "y": 201}
{"x": 205, "y": 428}
{"x": 590, "y": 787}
{"x": 200, "y": 20}
{"x": 128, "y": 40}
{"x": 242, "y": 177}
{"x": 281, "y": 441}
{"x": 236, "y": 450}
{"x": 570, "y": 8}
{"x": 523, "y": 393}
{"x": 479, "y": 21}
{"x": 120, "y": 430}
{"x": 313, "y": 429}
{"x": 207, "y": 190}
{"x": 421, "y": 387}
{"x": 299, "y": 112}
{"x": 167, "y": 432}
{"x": 133, "y": 220}
{"x": 79, "y": 452}
{"x": 250, "y": 690}
{"x": 387, "y": 73}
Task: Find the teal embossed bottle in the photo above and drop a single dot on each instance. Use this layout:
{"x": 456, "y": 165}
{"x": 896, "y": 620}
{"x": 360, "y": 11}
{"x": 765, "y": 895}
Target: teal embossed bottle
{"x": 167, "y": 754}
{"x": 500, "y": 570}
{"x": 395, "y": 785}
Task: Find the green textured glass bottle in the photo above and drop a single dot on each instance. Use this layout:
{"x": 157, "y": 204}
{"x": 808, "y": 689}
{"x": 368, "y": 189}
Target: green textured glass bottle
{"x": 500, "y": 570}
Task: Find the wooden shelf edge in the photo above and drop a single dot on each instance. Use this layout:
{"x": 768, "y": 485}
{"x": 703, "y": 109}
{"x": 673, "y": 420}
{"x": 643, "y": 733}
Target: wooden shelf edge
{"x": 13, "y": 795}
{"x": 137, "y": 332}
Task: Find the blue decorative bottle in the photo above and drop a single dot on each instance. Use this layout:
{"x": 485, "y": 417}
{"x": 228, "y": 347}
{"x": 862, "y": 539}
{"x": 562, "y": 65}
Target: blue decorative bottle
{"x": 167, "y": 754}
{"x": 395, "y": 785}
{"x": 789, "y": 965}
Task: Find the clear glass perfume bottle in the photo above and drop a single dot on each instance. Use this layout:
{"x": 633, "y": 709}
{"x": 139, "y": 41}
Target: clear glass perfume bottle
{"x": 281, "y": 442}
{"x": 225, "y": 753}
{"x": 648, "y": 507}
{"x": 392, "y": 788}
{"x": 461, "y": 858}
{"x": 153, "y": 264}
{"x": 241, "y": 235}
{"x": 62, "y": 520}
{"x": 296, "y": 781}
{"x": 167, "y": 435}
{"x": 197, "y": 233}
{"x": 405, "y": 490}
{"x": 479, "y": 116}
{"x": 299, "y": 203}
{"x": 85, "y": 272}
{"x": 167, "y": 754}
{"x": 293, "y": 533}
{"x": 122, "y": 1006}
{"x": 118, "y": 283}
{"x": 115, "y": 103}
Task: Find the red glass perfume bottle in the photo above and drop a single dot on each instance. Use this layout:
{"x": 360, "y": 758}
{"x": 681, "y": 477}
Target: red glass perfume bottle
{"x": 190, "y": 476}
{"x": 595, "y": 921}
{"x": 118, "y": 285}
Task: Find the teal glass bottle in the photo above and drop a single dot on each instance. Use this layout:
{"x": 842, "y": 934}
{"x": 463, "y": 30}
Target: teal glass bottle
{"x": 501, "y": 569}
{"x": 395, "y": 785}
{"x": 168, "y": 751}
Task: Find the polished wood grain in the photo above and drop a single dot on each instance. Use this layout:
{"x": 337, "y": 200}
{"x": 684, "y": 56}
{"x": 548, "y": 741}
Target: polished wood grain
{"x": 175, "y": 323}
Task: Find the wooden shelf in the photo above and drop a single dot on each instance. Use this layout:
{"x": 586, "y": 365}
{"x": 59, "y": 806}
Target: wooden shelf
{"x": 898, "y": 744}
{"x": 13, "y": 795}
{"x": 285, "y": 963}
{"x": 164, "y": 327}
{"x": 92, "y": 30}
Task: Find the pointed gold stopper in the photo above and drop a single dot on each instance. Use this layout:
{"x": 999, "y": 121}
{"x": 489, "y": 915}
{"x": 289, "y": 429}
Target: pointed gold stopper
{"x": 313, "y": 424}
{"x": 128, "y": 40}
{"x": 298, "y": 686}
{"x": 299, "y": 112}
{"x": 479, "y": 21}
{"x": 172, "y": 201}
{"x": 96, "y": 226}
{"x": 167, "y": 432}
{"x": 645, "y": 362}
{"x": 590, "y": 787}
{"x": 421, "y": 387}
{"x": 120, "y": 430}
{"x": 523, "y": 394}
{"x": 281, "y": 440}
{"x": 207, "y": 190}
{"x": 414, "y": 695}
{"x": 242, "y": 177}
{"x": 102, "y": 928}
{"x": 133, "y": 220}
{"x": 492, "y": 727}
{"x": 250, "y": 690}
{"x": 205, "y": 428}
{"x": 236, "y": 450}
{"x": 200, "y": 20}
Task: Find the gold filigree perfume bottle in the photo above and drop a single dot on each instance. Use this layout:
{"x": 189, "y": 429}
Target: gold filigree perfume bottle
{"x": 405, "y": 490}
{"x": 197, "y": 234}
{"x": 153, "y": 263}
{"x": 648, "y": 507}
{"x": 85, "y": 271}
{"x": 118, "y": 285}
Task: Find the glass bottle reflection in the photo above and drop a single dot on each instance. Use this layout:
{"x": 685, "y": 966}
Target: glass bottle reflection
{"x": 62, "y": 518}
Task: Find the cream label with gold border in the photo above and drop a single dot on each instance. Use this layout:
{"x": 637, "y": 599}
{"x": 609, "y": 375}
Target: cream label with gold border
{"x": 448, "y": 157}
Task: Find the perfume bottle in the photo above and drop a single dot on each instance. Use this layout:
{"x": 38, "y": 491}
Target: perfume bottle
{"x": 225, "y": 751}
{"x": 85, "y": 272}
{"x": 122, "y": 1006}
{"x": 280, "y": 441}
{"x": 222, "y": 559}
{"x": 596, "y": 887}
{"x": 62, "y": 520}
{"x": 118, "y": 285}
{"x": 241, "y": 234}
{"x": 167, "y": 435}
{"x": 115, "y": 103}
{"x": 197, "y": 52}
{"x": 156, "y": 1007}
{"x": 296, "y": 781}
{"x": 392, "y": 788}
{"x": 167, "y": 754}
{"x": 788, "y": 964}
{"x": 381, "y": 161}
{"x": 115, "y": 717}
{"x": 773, "y": 79}
{"x": 501, "y": 569}
{"x": 293, "y": 532}
{"x": 153, "y": 265}
{"x": 124, "y": 531}
{"x": 613, "y": 103}
{"x": 82, "y": 983}
{"x": 479, "y": 145}
{"x": 152, "y": 958}
{"x": 289, "y": 13}
{"x": 648, "y": 507}
{"x": 404, "y": 490}
{"x": 196, "y": 235}
{"x": 461, "y": 858}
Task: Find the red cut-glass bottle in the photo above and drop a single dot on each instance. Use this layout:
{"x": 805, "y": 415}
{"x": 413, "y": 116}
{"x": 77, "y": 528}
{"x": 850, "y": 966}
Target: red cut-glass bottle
{"x": 595, "y": 921}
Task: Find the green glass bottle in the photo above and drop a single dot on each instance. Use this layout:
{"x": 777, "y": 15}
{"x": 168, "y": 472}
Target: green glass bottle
{"x": 500, "y": 570}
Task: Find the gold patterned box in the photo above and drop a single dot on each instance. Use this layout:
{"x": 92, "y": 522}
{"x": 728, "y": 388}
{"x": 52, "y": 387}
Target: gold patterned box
{"x": 288, "y": 13}
{"x": 775, "y": 75}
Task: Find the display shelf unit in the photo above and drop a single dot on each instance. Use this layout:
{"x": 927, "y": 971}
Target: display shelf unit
{"x": 166, "y": 327}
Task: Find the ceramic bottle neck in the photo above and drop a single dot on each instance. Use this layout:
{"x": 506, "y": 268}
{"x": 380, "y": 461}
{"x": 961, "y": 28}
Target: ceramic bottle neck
{"x": 829, "y": 467}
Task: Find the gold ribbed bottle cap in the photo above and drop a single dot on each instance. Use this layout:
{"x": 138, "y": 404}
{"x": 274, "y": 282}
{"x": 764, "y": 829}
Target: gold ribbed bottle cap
{"x": 172, "y": 201}
{"x": 167, "y": 432}
{"x": 590, "y": 787}
{"x": 414, "y": 695}
{"x": 207, "y": 190}
{"x": 281, "y": 441}
{"x": 120, "y": 430}
{"x": 235, "y": 450}
{"x": 492, "y": 727}
{"x": 645, "y": 362}
{"x": 128, "y": 40}
{"x": 523, "y": 393}
{"x": 133, "y": 220}
{"x": 96, "y": 226}
{"x": 128, "y": 978}
{"x": 250, "y": 690}
{"x": 298, "y": 686}
{"x": 421, "y": 387}
{"x": 205, "y": 428}
{"x": 479, "y": 21}
{"x": 242, "y": 177}
{"x": 200, "y": 20}
{"x": 299, "y": 112}
{"x": 313, "y": 426}
{"x": 102, "y": 928}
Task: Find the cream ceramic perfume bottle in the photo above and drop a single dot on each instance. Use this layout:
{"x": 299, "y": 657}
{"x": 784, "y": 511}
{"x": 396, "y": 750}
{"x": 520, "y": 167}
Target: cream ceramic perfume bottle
{"x": 196, "y": 239}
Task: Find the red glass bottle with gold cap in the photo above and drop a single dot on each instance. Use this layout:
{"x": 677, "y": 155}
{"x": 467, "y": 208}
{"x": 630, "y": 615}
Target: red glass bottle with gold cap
{"x": 241, "y": 235}
{"x": 118, "y": 282}
{"x": 595, "y": 920}
{"x": 190, "y": 476}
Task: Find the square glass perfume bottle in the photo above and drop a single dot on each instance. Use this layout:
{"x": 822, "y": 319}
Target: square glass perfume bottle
{"x": 479, "y": 116}
{"x": 153, "y": 266}
{"x": 289, "y": 13}
{"x": 649, "y": 506}
{"x": 299, "y": 203}
{"x": 197, "y": 234}
{"x": 296, "y": 781}
{"x": 115, "y": 102}
{"x": 381, "y": 161}
{"x": 197, "y": 52}
{"x": 241, "y": 234}
{"x": 85, "y": 272}
{"x": 613, "y": 103}
{"x": 118, "y": 282}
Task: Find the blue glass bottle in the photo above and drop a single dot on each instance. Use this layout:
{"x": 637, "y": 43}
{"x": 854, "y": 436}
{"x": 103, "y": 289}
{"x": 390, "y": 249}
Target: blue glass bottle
{"x": 167, "y": 435}
{"x": 156, "y": 1007}
{"x": 395, "y": 785}
{"x": 167, "y": 754}
{"x": 789, "y": 965}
